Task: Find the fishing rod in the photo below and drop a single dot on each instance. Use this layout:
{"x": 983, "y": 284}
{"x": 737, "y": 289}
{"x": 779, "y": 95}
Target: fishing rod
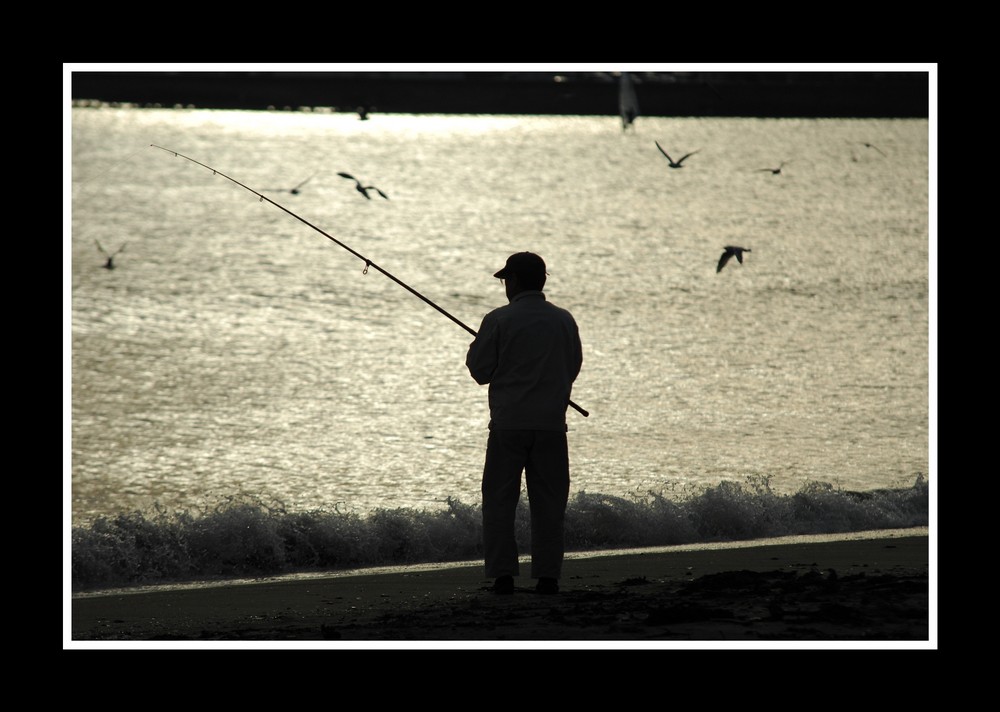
{"x": 368, "y": 262}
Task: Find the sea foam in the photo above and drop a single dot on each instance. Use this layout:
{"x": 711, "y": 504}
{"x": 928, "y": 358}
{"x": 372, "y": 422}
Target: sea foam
{"x": 245, "y": 537}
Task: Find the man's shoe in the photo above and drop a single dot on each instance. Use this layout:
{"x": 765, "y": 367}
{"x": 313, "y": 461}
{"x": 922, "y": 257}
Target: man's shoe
{"x": 503, "y": 585}
{"x": 547, "y": 585}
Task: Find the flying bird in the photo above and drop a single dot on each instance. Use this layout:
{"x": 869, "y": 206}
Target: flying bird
{"x": 777, "y": 170}
{"x": 110, "y": 264}
{"x": 872, "y": 145}
{"x": 731, "y": 251}
{"x": 673, "y": 163}
{"x": 363, "y": 189}
{"x": 866, "y": 145}
{"x": 295, "y": 190}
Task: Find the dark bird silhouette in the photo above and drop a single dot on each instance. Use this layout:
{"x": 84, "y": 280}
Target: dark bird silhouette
{"x": 295, "y": 190}
{"x": 673, "y": 163}
{"x": 866, "y": 145}
{"x": 731, "y": 251}
{"x": 777, "y": 170}
{"x": 363, "y": 189}
{"x": 872, "y": 145}
{"x": 110, "y": 264}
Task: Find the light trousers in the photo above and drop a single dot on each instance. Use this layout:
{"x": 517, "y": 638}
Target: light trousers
{"x": 543, "y": 457}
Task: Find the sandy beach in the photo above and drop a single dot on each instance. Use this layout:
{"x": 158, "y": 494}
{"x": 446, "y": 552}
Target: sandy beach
{"x": 862, "y": 588}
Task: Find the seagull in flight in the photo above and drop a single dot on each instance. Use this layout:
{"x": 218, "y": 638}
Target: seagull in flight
{"x": 866, "y": 145}
{"x": 363, "y": 189}
{"x": 872, "y": 145}
{"x": 110, "y": 264}
{"x": 777, "y": 170}
{"x": 731, "y": 251}
{"x": 295, "y": 190}
{"x": 673, "y": 163}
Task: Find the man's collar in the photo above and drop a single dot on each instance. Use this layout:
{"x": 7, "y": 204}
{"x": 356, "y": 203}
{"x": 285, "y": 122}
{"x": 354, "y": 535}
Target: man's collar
{"x": 528, "y": 293}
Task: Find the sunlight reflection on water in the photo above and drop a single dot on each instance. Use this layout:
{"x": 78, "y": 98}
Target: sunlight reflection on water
{"x": 235, "y": 350}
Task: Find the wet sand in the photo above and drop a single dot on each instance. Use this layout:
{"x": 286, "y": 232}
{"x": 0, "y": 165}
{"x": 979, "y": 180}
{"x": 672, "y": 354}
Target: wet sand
{"x": 870, "y": 587}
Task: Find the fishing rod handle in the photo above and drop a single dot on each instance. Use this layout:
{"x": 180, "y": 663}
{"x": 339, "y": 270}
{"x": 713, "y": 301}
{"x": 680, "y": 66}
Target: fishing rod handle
{"x": 584, "y": 413}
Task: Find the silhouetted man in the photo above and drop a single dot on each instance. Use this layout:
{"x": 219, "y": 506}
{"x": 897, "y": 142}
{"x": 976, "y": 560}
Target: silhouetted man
{"x": 529, "y": 352}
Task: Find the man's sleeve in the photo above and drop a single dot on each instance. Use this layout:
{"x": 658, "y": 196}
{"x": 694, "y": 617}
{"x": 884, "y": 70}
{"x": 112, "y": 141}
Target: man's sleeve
{"x": 483, "y": 352}
{"x": 579, "y": 351}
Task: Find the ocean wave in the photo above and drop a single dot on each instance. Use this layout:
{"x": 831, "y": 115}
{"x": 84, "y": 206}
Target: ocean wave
{"x": 245, "y": 537}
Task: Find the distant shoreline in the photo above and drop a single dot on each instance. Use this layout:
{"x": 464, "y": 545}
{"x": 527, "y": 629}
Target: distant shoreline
{"x": 733, "y": 94}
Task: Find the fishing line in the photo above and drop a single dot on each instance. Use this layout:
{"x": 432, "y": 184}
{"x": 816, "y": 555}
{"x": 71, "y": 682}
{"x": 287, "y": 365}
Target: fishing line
{"x": 368, "y": 262}
{"x": 110, "y": 168}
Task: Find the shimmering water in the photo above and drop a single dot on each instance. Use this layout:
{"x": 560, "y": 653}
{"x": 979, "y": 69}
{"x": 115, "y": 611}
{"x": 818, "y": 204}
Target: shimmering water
{"x": 234, "y": 350}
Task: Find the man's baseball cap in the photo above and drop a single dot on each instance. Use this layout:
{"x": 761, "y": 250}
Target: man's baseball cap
{"x": 526, "y": 266}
